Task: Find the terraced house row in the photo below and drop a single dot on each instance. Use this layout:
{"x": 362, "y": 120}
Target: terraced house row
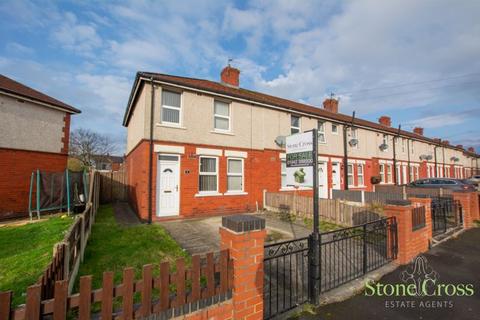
{"x": 197, "y": 147}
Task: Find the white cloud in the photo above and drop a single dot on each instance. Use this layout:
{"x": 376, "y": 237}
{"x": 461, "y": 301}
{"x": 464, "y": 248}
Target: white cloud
{"x": 17, "y": 48}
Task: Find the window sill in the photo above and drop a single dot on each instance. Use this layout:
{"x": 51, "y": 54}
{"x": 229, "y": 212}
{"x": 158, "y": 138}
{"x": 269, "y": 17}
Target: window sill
{"x": 228, "y": 133}
{"x": 208, "y": 194}
{"x": 170, "y": 126}
{"x": 294, "y": 189}
{"x": 235, "y": 193}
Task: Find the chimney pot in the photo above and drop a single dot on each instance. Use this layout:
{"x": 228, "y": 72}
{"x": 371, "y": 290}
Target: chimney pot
{"x": 385, "y": 120}
{"x": 230, "y": 76}
{"x": 471, "y": 149}
{"x": 331, "y": 105}
{"x": 446, "y": 142}
{"x": 418, "y": 130}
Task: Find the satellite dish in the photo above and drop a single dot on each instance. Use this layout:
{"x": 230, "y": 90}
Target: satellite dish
{"x": 429, "y": 157}
{"x": 281, "y": 141}
{"x": 383, "y": 146}
{"x": 353, "y": 142}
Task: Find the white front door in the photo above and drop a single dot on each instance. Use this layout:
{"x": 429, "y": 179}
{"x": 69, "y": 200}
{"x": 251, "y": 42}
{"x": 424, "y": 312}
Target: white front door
{"x": 322, "y": 180}
{"x": 168, "y": 185}
{"x": 336, "y": 176}
{"x": 404, "y": 171}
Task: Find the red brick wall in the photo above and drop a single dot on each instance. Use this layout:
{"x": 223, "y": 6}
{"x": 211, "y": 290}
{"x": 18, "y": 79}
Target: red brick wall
{"x": 16, "y": 167}
{"x": 136, "y": 166}
{"x": 221, "y": 311}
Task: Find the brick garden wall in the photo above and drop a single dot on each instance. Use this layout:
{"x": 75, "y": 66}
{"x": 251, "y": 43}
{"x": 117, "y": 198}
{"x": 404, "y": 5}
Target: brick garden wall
{"x": 16, "y": 167}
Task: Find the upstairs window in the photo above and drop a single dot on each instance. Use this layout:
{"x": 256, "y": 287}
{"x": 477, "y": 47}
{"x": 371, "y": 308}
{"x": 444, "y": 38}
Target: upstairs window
{"x": 334, "y": 129}
{"x": 171, "y": 107}
{"x": 353, "y": 137}
{"x": 294, "y": 124}
{"x": 413, "y": 147}
{"x": 321, "y": 132}
{"x": 404, "y": 142}
{"x": 208, "y": 174}
{"x": 221, "y": 116}
{"x": 235, "y": 175}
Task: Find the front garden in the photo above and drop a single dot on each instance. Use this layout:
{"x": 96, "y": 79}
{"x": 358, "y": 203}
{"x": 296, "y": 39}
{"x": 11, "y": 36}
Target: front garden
{"x": 26, "y": 250}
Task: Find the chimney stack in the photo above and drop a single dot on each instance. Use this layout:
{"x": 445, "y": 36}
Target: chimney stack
{"x": 460, "y": 146}
{"x": 418, "y": 130}
{"x": 230, "y": 76}
{"x": 446, "y": 142}
{"x": 331, "y": 105}
{"x": 471, "y": 149}
{"x": 385, "y": 120}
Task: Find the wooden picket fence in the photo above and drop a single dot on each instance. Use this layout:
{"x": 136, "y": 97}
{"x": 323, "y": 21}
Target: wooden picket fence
{"x": 113, "y": 186}
{"x": 68, "y": 254}
{"x": 334, "y": 211}
{"x": 209, "y": 279}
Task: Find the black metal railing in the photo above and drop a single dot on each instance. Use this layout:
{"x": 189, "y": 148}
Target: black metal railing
{"x": 349, "y": 253}
{"x": 446, "y": 215}
{"x": 345, "y": 255}
{"x": 418, "y": 218}
{"x": 286, "y": 282}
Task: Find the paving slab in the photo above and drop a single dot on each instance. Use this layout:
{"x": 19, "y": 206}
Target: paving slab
{"x": 124, "y": 215}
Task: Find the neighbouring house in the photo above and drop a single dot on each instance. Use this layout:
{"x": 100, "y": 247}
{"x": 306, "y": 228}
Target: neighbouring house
{"x": 34, "y": 134}
{"x": 109, "y": 163}
{"x": 197, "y": 147}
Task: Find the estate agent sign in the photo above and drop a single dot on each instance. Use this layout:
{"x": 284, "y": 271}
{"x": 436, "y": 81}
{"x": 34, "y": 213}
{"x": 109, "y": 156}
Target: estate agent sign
{"x": 299, "y": 149}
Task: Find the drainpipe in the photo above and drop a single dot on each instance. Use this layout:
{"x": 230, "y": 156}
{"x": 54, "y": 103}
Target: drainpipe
{"x": 345, "y": 152}
{"x": 395, "y": 178}
{"x": 408, "y": 161}
{"x": 436, "y": 165}
{"x": 443, "y": 157}
{"x": 150, "y": 153}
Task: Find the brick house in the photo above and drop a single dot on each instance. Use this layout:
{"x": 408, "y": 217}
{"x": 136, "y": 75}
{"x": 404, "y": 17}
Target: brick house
{"x": 34, "y": 134}
{"x": 213, "y": 147}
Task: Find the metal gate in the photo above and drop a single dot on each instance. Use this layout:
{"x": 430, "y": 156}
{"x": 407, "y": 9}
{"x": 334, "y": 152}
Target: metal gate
{"x": 344, "y": 255}
{"x": 446, "y": 215}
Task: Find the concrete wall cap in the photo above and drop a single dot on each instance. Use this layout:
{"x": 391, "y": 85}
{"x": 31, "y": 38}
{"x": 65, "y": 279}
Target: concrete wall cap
{"x": 243, "y": 223}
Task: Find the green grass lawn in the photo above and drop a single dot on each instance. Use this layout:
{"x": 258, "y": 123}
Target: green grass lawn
{"x": 113, "y": 247}
{"x": 25, "y": 252}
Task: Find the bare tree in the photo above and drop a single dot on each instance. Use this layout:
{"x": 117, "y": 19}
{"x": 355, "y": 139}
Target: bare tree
{"x": 89, "y": 146}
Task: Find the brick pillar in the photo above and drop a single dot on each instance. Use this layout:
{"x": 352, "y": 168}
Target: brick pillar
{"x": 410, "y": 243}
{"x": 244, "y": 236}
{"x": 469, "y": 202}
{"x": 427, "y": 202}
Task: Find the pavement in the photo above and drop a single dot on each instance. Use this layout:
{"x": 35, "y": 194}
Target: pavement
{"x": 199, "y": 236}
{"x": 124, "y": 215}
{"x": 456, "y": 261}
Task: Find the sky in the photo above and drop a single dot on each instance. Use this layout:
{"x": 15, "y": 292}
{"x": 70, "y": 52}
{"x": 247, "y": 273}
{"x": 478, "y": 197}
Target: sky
{"x": 415, "y": 61}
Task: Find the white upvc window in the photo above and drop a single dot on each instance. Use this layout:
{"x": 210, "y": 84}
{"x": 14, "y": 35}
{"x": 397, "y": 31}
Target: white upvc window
{"x": 171, "y": 107}
{"x": 385, "y": 139}
{"x": 412, "y": 175}
{"x": 350, "y": 174}
{"x": 360, "y": 180}
{"x": 283, "y": 172}
{"x": 221, "y": 116}
{"x": 321, "y": 132}
{"x": 234, "y": 175}
{"x": 413, "y": 147}
{"x": 208, "y": 175}
{"x": 389, "y": 173}
{"x": 417, "y": 176}
{"x": 354, "y": 135}
{"x": 294, "y": 124}
{"x": 382, "y": 173}
{"x": 334, "y": 128}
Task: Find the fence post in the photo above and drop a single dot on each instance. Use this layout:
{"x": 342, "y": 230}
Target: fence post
{"x": 365, "y": 262}
{"x": 244, "y": 236}
{"x": 66, "y": 260}
{"x": 83, "y": 242}
{"x": 5, "y": 304}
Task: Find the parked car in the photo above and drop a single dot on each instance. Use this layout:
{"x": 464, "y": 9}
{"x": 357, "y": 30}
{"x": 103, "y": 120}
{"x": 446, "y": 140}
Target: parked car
{"x": 446, "y": 183}
{"x": 475, "y": 179}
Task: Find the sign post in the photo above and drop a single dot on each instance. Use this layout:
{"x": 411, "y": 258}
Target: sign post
{"x": 302, "y": 171}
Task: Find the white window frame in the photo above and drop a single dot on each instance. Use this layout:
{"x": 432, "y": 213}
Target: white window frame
{"x": 404, "y": 142}
{"x": 352, "y": 165}
{"x": 412, "y": 174}
{"x": 334, "y": 125}
{"x": 299, "y": 124}
{"x": 283, "y": 173}
{"x": 207, "y": 174}
{"x": 180, "y": 115}
{"x": 389, "y": 174}
{"x": 242, "y": 174}
{"x": 398, "y": 174}
{"x": 413, "y": 147}
{"x": 321, "y": 132}
{"x": 382, "y": 173}
{"x": 222, "y": 117}
{"x": 360, "y": 173}
{"x": 354, "y": 135}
